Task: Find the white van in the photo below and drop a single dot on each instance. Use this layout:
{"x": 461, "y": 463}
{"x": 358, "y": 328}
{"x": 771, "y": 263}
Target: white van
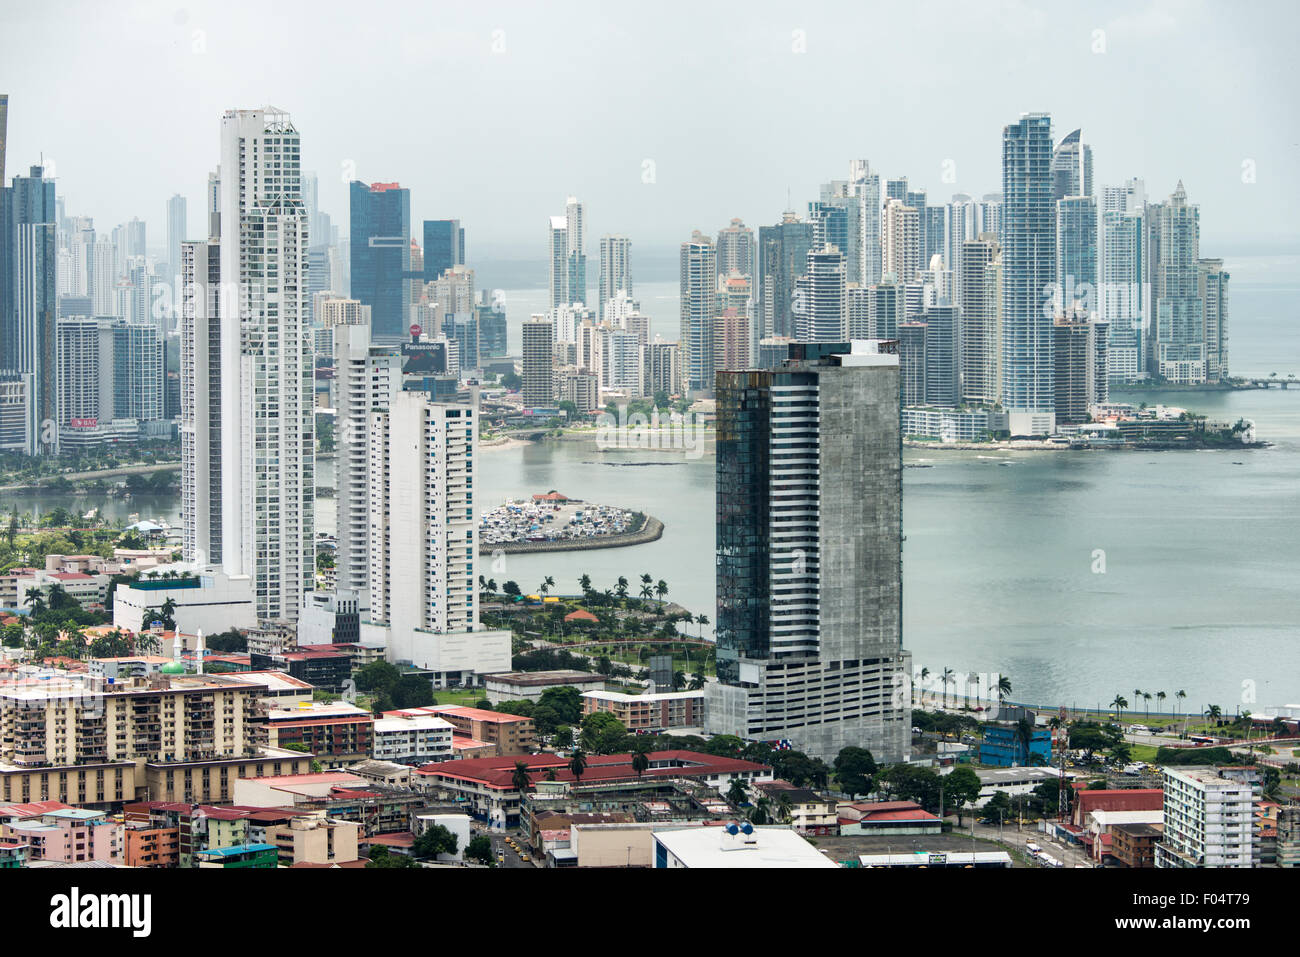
{"x": 1033, "y": 849}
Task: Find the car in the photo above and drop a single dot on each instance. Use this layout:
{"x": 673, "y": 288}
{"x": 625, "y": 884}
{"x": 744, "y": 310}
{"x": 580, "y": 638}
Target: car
{"x": 524, "y": 858}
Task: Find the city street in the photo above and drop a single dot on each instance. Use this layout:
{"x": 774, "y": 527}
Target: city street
{"x": 1068, "y": 856}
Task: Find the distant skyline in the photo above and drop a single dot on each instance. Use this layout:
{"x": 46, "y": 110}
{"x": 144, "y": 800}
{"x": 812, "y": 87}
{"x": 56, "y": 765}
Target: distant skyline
{"x": 493, "y": 115}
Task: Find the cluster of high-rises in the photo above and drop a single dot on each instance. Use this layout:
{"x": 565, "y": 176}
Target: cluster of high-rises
{"x": 405, "y": 428}
{"x": 1026, "y": 303}
{"x": 82, "y": 328}
{"x": 577, "y": 354}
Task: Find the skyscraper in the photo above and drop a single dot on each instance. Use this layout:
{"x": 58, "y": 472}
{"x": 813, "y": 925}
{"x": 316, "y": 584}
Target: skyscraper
{"x": 1179, "y": 310}
{"x": 250, "y": 335}
{"x": 902, "y": 241}
{"x": 537, "y": 361}
{"x": 615, "y": 271}
{"x": 176, "y": 226}
{"x": 29, "y": 298}
{"x": 864, "y": 187}
{"x": 1072, "y": 167}
{"x": 423, "y": 540}
{"x": 735, "y": 250}
{"x": 1212, "y": 286}
{"x": 1123, "y": 298}
{"x": 942, "y": 356}
{"x": 809, "y": 597}
{"x": 1076, "y": 252}
{"x": 980, "y": 299}
{"x": 821, "y": 308}
{"x": 1028, "y": 272}
{"x": 782, "y": 259}
{"x": 698, "y": 301}
{"x": 444, "y": 247}
{"x": 367, "y": 379}
{"x": 380, "y": 236}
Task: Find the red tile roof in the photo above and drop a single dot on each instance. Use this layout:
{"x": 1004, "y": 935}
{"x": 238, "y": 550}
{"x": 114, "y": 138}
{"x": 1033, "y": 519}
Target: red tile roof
{"x": 498, "y": 773}
{"x": 1119, "y": 799}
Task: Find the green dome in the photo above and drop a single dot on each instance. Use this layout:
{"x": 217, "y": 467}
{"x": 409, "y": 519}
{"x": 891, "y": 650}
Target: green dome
{"x": 174, "y": 668}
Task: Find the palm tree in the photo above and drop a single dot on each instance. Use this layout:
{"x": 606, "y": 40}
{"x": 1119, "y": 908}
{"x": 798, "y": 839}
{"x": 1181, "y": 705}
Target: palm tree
{"x": 647, "y": 591}
{"x": 947, "y": 680}
{"x": 519, "y": 780}
{"x": 1137, "y": 696}
{"x": 1025, "y": 736}
{"x": 737, "y": 794}
{"x": 661, "y": 589}
{"x": 1146, "y": 700}
{"x": 621, "y": 590}
{"x": 701, "y": 620}
{"x": 1119, "y": 704}
{"x": 925, "y": 673}
{"x": 679, "y": 680}
{"x": 1160, "y": 700}
{"x": 972, "y": 678}
{"x": 577, "y": 764}
{"x": 546, "y": 585}
{"x": 584, "y": 583}
{"x": 1004, "y": 688}
{"x": 36, "y": 598}
{"x": 758, "y": 814}
{"x": 697, "y": 681}
{"x": 639, "y": 763}
{"x": 1213, "y": 712}
{"x": 492, "y": 586}
{"x": 784, "y": 808}
{"x": 1180, "y": 694}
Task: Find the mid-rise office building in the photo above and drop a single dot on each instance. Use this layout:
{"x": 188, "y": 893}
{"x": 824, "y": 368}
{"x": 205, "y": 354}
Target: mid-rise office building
{"x": 809, "y": 529}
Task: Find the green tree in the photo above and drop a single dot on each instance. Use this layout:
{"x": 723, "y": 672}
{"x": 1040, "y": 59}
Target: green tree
{"x": 577, "y": 764}
{"x": 412, "y": 691}
{"x": 961, "y": 788}
{"x": 479, "y": 849}
{"x": 602, "y": 733}
{"x": 737, "y": 793}
{"x": 640, "y": 763}
{"x": 434, "y": 840}
{"x": 378, "y": 676}
{"x": 854, "y": 768}
{"x": 380, "y": 857}
{"x": 511, "y": 589}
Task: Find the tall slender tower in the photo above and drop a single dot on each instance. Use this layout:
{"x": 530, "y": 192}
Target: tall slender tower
{"x": 262, "y": 347}
{"x": 1028, "y": 274}
{"x": 615, "y": 271}
{"x": 699, "y": 292}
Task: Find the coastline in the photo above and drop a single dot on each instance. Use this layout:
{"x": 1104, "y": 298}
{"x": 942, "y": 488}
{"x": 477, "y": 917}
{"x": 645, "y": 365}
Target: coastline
{"x": 651, "y": 531}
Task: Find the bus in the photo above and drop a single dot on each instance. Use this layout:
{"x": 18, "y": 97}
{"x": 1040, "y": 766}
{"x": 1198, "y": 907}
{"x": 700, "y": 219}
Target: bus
{"x": 1033, "y": 849}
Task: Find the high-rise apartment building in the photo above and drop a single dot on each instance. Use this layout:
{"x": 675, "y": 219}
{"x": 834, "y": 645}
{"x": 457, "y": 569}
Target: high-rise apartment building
{"x": 176, "y": 226}
{"x": 980, "y": 301}
{"x": 1028, "y": 239}
{"x": 735, "y": 248}
{"x": 1212, "y": 287}
{"x": 698, "y": 308}
{"x": 1076, "y": 253}
{"x": 1123, "y": 294}
{"x": 820, "y": 307}
{"x": 568, "y": 255}
{"x": 902, "y": 247}
{"x": 537, "y": 361}
{"x": 1179, "y": 339}
{"x": 380, "y": 235}
{"x": 247, "y": 376}
{"x": 809, "y": 553}
{"x": 615, "y": 271}
{"x": 367, "y": 379}
{"x": 423, "y": 539}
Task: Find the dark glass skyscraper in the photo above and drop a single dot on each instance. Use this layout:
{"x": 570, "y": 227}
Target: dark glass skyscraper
{"x": 28, "y": 298}
{"x": 809, "y": 553}
{"x": 381, "y": 257}
{"x": 444, "y": 247}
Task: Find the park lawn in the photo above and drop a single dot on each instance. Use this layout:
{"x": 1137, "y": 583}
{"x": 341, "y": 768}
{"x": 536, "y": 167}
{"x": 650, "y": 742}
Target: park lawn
{"x": 1145, "y": 753}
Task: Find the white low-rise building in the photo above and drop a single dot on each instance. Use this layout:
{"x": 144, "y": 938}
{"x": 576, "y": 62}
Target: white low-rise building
{"x": 412, "y": 738}
{"x": 211, "y": 601}
{"x": 736, "y": 846}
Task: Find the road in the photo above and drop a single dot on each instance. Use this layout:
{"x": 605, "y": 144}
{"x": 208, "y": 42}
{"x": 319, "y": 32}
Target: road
{"x": 500, "y": 849}
{"x": 1067, "y": 855}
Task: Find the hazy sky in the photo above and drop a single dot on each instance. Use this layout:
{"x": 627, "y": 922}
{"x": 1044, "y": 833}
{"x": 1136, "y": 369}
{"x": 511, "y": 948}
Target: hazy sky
{"x": 493, "y": 112}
